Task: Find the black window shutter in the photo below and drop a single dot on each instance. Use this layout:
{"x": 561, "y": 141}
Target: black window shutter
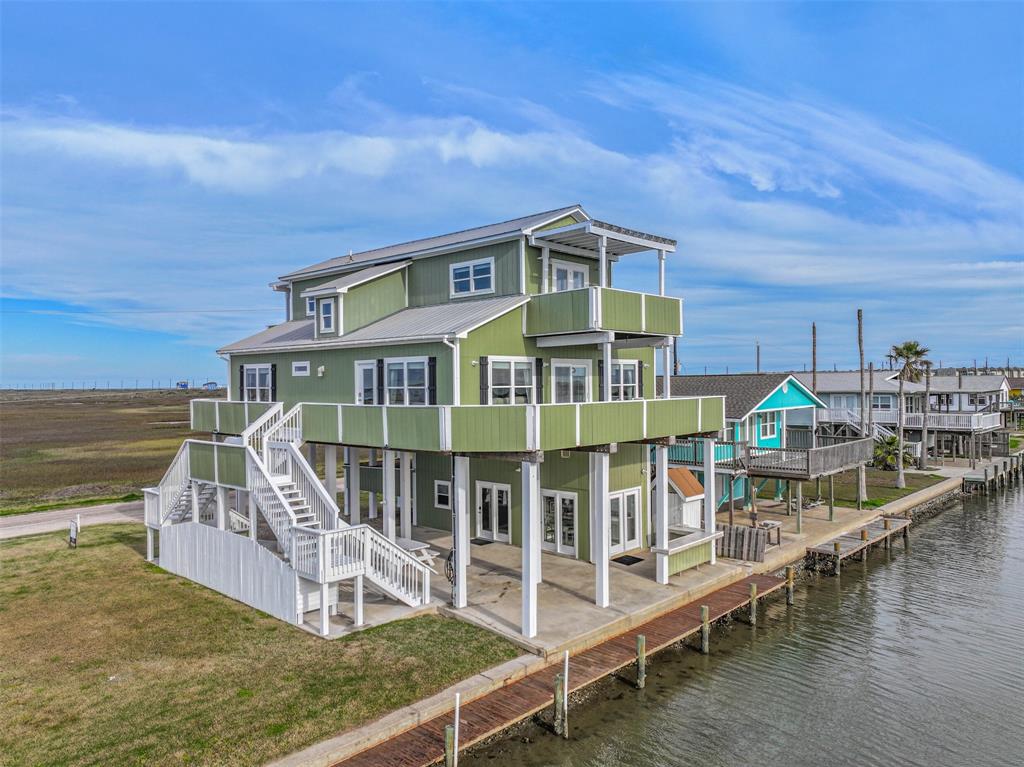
{"x": 380, "y": 382}
{"x": 600, "y": 380}
{"x": 241, "y": 383}
{"x": 640, "y": 380}
{"x": 431, "y": 380}
{"x": 273, "y": 382}
{"x": 539, "y": 380}
{"x": 485, "y": 397}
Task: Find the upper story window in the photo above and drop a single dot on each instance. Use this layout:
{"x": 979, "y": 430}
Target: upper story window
{"x": 327, "y": 319}
{"x": 769, "y": 425}
{"x": 624, "y": 380}
{"x": 569, "y": 276}
{"x": 300, "y": 368}
{"x": 310, "y": 307}
{"x": 470, "y": 278}
{"x": 258, "y": 383}
{"x": 571, "y": 380}
{"x": 881, "y": 402}
{"x": 406, "y": 381}
{"x": 511, "y": 381}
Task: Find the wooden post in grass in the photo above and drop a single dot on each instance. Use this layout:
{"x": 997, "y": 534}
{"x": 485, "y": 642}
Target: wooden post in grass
{"x": 832, "y": 498}
{"x": 641, "y": 661}
{"x": 753, "y": 604}
{"x": 790, "y": 583}
{"x": 789, "y": 497}
{"x": 705, "y": 630}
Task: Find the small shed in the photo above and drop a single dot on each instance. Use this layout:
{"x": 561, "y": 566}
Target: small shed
{"x": 685, "y": 499}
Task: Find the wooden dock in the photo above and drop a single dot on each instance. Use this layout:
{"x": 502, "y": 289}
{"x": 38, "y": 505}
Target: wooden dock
{"x": 999, "y": 473}
{"x": 857, "y": 542}
{"x": 486, "y": 716}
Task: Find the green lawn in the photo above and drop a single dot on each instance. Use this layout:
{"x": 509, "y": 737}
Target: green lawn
{"x": 109, "y": 660}
{"x": 881, "y": 487}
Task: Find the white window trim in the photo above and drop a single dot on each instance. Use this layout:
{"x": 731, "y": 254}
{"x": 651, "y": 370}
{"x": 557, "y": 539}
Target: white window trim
{"x": 357, "y": 367}
{"x": 571, "y": 266}
{"x": 334, "y": 316}
{"x": 310, "y": 306}
{"x": 768, "y": 418}
{"x": 558, "y": 495}
{"x": 405, "y": 381}
{"x": 556, "y": 363}
{"x": 635, "y": 364}
{"x": 448, "y": 485}
{"x": 470, "y": 264}
{"x": 245, "y": 382}
{"x": 297, "y": 368}
{"x": 512, "y": 386}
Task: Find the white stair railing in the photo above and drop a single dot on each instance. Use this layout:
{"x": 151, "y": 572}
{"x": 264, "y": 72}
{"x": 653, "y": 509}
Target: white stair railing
{"x": 324, "y": 508}
{"x": 275, "y": 508}
{"x": 174, "y": 483}
{"x": 255, "y": 432}
{"x": 287, "y": 429}
{"x": 395, "y": 570}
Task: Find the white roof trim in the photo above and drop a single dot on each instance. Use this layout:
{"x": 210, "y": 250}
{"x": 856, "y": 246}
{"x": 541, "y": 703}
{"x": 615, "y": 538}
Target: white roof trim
{"x": 326, "y": 291}
{"x": 786, "y": 380}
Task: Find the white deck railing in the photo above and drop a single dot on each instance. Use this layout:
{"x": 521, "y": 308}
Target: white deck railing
{"x": 286, "y": 458}
{"x": 276, "y": 510}
{"x": 174, "y": 483}
{"x": 255, "y": 432}
{"x": 952, "y": 421}
{"x": 287, "y": 429}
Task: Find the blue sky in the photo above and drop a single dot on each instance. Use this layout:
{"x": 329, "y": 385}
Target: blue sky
{"x": 162, "y": 163}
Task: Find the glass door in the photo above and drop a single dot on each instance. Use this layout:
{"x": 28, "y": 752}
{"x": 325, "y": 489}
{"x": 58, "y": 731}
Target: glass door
{"x": 624, "y": 520}
{"x": 366, "y": 383}
{"x": 493, "y": 508}
{"x": 558, "y": 522}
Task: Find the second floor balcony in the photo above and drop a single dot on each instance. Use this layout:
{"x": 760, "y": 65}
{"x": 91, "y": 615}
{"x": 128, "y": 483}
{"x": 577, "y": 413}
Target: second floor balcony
{"x": 944, "y": 421}
{"x": 604, "y": 309}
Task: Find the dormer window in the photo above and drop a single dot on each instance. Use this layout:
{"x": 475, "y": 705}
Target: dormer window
{"x": 327, "y": 316}
{"x": 311, "y": 307}
{"x": 470, "y": 278}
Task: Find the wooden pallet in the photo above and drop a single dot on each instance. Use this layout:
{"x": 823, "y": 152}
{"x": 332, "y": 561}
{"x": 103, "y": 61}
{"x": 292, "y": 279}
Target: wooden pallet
{"x": 424, "y": 745}
{"x": 741, "y": 542}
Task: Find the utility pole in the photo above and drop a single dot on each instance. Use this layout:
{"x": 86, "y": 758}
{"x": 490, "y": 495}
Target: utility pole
{"x": 757, "y": 344}
{"x": 814, "y": 359}
{"x": 862, "y": 480}
{"x": 923, "y": 458}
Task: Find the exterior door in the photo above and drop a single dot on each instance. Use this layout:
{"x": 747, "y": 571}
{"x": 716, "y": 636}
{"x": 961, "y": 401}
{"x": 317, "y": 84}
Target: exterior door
{"x": 624, "y": 520}
{"x": 493, "y": 509}
{"x": 366, "y": 383}
{"x": 558, "y": 522}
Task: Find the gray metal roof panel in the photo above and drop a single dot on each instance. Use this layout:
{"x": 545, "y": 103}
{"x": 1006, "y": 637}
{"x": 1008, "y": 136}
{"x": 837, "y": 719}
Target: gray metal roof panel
{"x": 351, "y": 279}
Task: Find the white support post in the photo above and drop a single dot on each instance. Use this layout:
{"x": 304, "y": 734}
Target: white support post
{"x": 352, "y": 491}
{"x": 606, "y": 385}
{"x": 602, "y": 254}
{"x": 325, "y": 615}
{"x": 252, "y": 516}
{"x": 357, "y": 599}
{"x": 545, "y": 268}
{"x": 661, "y": 272}
{"x": 460, "y": 535}
{"x": 222, "y": 508}
{"x": 311, "y": 453}
{"x": 331, "y": 471}
{"x": 531, "y": 545}
{"x": 149, "y": 544}
{"x": 388, "y": 485}
{"x": 373, "y": 494}
{"x": 600, "y": 503}
{"x": 405, "y": 467}
{"x": 710, "y": 501}
{"x": 195, "y": 502}
{"x": 661, "y": 513}
{"x": 666, "y": 369}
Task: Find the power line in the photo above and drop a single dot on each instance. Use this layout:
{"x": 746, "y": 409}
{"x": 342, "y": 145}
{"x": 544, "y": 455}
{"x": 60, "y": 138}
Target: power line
{"x": 131, "y": 311}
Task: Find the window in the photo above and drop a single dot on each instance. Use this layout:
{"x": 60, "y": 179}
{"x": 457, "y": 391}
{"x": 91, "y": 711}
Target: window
{"x": 442, "y": 494}
{"x": 569, "y": 276}
{"x": 881, "y": 402}
{"x": 472, "y": 277}
{"x": 310, "y": 307}
{"x": 769, "y": 425}
{"x": 624, "y": 375}
{"x": 300, "y": 368}
{"x": 511, "y": 381}
{"x": 571, "y": 380}
{"x": 406, "y": 381}
{"x": 257, "y": 383}
{"x": 327, "y": 316}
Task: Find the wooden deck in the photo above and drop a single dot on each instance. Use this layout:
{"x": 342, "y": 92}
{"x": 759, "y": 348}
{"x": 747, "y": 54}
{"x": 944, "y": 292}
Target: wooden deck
{"x": 492, "y": 713}
{"x": 858, "y": 541}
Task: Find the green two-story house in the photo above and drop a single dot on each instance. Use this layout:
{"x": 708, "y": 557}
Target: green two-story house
{"x": 491, "y": 382}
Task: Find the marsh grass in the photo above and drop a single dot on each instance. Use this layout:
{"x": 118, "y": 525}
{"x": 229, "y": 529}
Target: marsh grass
{"x": 110, "y": 660}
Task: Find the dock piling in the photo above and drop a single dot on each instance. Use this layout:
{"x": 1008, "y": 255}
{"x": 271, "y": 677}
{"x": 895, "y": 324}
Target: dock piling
{"x": 705, "y": 630}
{"x": 753, "y": 604}
{"x": 559, "y": 705}
{"x": 641, "y": 661}
{"x": 790, "y": 580}
{"x": 449, "y": 745}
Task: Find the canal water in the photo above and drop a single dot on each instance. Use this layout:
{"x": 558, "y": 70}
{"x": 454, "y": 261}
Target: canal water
{"x": 915, "y": 657}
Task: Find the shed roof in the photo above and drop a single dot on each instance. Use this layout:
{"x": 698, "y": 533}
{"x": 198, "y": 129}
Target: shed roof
{"x": 685, "y": 482}
{"x": 418, "y": 323}
{"x": 351, "y": 279}
{"x": 743, "y": 391}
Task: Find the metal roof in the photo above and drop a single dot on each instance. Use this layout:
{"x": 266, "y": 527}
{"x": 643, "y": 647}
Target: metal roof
{"x": 742, "y": 391}
{"x": 490, "y": 231}
{"x": 584, "y": 238}
{"x": 418, "y": 323}
{"x": 351, "y": 279}
{"x": 848, "y": 382}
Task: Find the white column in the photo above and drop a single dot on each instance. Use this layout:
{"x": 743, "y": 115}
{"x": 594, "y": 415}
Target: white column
{"x": 331, "y": 471}
{"x": 252, "y": 517}
{"x": 222, "y": 508}
{"x": 373, "y": 494}
{"x": 325, "y": 616}
{"x": 460, "y": 535}
{"x": 661, "y": 512}
{"x": 388, "y": 484}
{"x": 601, "y": 521}
{"x": 311, "y": 453}
{"x": 357, "y": 599}
{"x": 606, "y": 385}
{"x": 661, "y": 272}
{"x": 195, "y": 501}
{"x": 545, "y": 268}
{"x": 405, "y": 464}
{"x": 602, "y": 255}
{"x": 666, "y": 369}
{"x": 352, "y": 491}
{"x": 149, "y": 544}
{"x": 710, "y": 501}
{"x": 531, "y": 545}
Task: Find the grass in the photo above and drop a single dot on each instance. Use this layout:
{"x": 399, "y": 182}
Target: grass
{"x": 110, "y": 660}
{"x": 881, "y": 487}
{"x": 78, "y": 448}
{"x": 1016, "y": 442}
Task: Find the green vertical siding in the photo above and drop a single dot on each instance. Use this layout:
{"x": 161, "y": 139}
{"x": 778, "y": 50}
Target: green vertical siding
{"x": 204, "y": 415}
{"x": 362, "y": 425}
{"x": 431, "y": 466}
{"x": 297, "y": 301}
{"x": 621, "y": 310}
{"x": 684, "y": 560}
{"x": 563, "y": 221}
{"x": 231, "y": 465}
{"x": 557, "y": 427}
{"x": 201, "y": 463}
{"x": 320, "y": 423}
{"x": 671, "y": 417}
{"x": 601, "y": 423}
{"x": 712, "y": 414}
{"x": 564, "y": 312}
{"x": 414, "y": 428}
{"x": 498, "y": 428}
{"x": 429, "y": 277}
{"x": 373, "y": 300}
{"x": 664, "y": 315}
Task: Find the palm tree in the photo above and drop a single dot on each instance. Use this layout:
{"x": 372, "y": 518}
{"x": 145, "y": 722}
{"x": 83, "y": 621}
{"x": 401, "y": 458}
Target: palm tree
{"x": 912, "y": 359}
{"x": 886, "y": 451}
